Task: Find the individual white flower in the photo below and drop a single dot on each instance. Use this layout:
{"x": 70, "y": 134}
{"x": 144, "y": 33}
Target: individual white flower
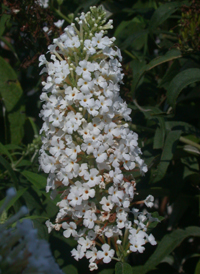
{"x": 70, "y": 229}
{"x": 149, "y": 201}
{"x": 106, "y": 254}
{"x": 59, "y": 23}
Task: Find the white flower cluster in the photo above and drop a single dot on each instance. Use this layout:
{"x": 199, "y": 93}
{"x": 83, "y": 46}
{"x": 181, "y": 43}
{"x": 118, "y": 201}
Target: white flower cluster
{"x": 88, "y": 147}
{"x": 20, "y": 250}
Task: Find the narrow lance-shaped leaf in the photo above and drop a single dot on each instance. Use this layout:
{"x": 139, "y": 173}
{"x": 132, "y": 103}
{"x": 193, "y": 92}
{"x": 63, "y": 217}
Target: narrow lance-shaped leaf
{"x": 163, "y": 13}
{"x": 10, "y": 88}
{"x": 167, "y": 154}
{"x": 14, "y": 199}
{"x": 179, "y": 82}
{"x": 8, "y": 167}
{"x": 4, "y": 151}
{"x": 170, "y": 55}
{"x": 197, "y": 269}
{"x": 159, "y": 136}
{"x": 11, "y": 93}
{"x": 38, "y": 181}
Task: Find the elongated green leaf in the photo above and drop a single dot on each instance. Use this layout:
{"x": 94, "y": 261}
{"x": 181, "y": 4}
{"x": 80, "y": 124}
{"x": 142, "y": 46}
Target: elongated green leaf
{"x": 34, "y": 127}
{"x": 4, "y": 151}
{"x": 137, "y": 40}
{"x": 162, "y": 13}
{"x": 170, "y": 55}
{"x": 9, "y": 169}
{"x": 167, "y": 154}
{"x": 165, "y": 247}
{"x": 14, "y": 199}
{"x": 16, "y": 120}
{"x": 10, "y": 88}
{"x": 179, "y": 82}
{"x": 123, "y": 268}
{"x": 197, "y": 269}
{"x": 170, "y": 74}
{"x": 185, "y": 127}
{"x": 9, "y": 45}
{"x": 4, "y": 20}
{"x": 159, "y": 136}
{"x": 37, "y": 180}
{"x": 11, "y": 93}
{"x": 13, "y": 147}
{"x": 35, "y": 217}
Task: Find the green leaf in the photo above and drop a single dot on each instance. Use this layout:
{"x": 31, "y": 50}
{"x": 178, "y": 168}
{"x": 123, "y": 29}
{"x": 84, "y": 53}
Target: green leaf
{"x": 11, "y": 93}
{"x": 185, "y": 127}
{"x": 123, "y": 268}
{"x": 70, "y": 269}
{"x": 4, "y": 151}
{"x": 180, "y": 205}
{"x": 10, "y": 88}
{"x": 162, "y": 14}
{"x": 167, "y": 154}
{"x": 9, "y": 169}
{"x": 38, "y": 181}
{"x": 170, "y": 55}
{"x": 9, "y": 45}
{"x": 170, "y": 74}
{"x": 107, "y": 271}
{"x": 197, "y": 269}
{"x": 25, "y": 163}
{"x": 34, "y": 127}
{"x": 33, "y": 217}
{"x": 14, "y": 199}
{"x": 13, "y": 147}
{"x": 179, "y": 82}
{"x": 4, "y": 20}
{"x": 159, "y": 136}
{"x": 16, "y": 120}
{"x": 165, "y": 247}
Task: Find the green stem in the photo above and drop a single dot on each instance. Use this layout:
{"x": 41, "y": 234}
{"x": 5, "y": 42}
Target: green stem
{"x": 5, "y": 125}
{"x": 139, "y": 107}
{"x": 130, "y": 54}
{"x": 189, "y": 142}
{"x": 62, "y": 15}
{"x": 139, "y": 128}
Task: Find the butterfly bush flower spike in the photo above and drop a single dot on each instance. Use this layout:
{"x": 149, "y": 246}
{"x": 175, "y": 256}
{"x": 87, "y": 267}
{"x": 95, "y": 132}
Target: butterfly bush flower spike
{"x": 87, "y": 145}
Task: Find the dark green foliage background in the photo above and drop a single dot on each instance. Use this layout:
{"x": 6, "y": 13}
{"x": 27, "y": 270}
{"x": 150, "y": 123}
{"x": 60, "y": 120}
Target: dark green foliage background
{"x": 161, "y": 86}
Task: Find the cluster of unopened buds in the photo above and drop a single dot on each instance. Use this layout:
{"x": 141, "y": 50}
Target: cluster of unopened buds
{"x": 88, "y": 150}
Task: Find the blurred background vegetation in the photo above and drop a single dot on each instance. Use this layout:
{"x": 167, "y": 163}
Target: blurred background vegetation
{"x": 160, "y": 44}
